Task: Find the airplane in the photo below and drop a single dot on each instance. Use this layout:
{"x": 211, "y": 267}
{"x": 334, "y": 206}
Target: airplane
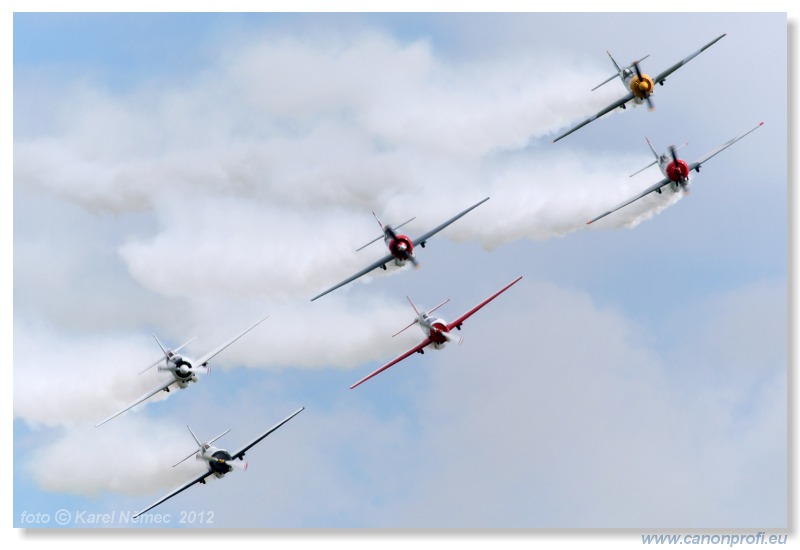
{"x": 184, "y": 369}
{"x": 639, "y": 85}
{"x": 218, "y": 461}
{"x": 437, "y": 331}
{"x": 676, "y": 171}
{"x": 401, "y": 247}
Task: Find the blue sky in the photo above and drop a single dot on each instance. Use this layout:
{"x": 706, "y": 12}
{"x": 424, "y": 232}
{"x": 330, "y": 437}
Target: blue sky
{"x": 185, "y": 174}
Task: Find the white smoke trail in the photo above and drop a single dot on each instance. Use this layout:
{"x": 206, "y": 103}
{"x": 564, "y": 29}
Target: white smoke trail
{"x": 261, "y": 173}
{"x": 132, "y": 459}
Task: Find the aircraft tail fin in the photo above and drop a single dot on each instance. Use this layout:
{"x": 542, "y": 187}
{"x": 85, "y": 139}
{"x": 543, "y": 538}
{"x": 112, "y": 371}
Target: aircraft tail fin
{"x": 652, "y": 150}
{"x": 612, "y": 77}
{"x": 412, "y": 323}
{"x": 384, "y": 229}
{"x": 620, "y": 70}
{"x": 652, "y": 163}
{"x": 166, "y": 352}
{"x": 200, "y": 446}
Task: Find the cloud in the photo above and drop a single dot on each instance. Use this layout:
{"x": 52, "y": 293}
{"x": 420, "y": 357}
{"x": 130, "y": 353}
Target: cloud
{"x": 133, "y": 458}
{"x": 498, "y": 432}
{"x": 259, "y": 167}
{"x": 68, "y": 380}
{"x": 549, "y": 432}
{"x": 244, "y": 189}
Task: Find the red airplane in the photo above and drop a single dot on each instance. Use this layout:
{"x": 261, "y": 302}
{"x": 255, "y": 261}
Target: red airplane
{"x": 437, "y": 330}
{"x": 676, "y": 171}
{"x": 401, "y": 247}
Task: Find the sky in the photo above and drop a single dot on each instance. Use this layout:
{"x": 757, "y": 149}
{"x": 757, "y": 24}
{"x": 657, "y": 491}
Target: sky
{"x": 187, "y": 174}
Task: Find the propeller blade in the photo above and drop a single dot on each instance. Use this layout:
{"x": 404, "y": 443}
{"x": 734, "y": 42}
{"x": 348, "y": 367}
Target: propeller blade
{"x": 682, "y": 181}
{"x": 204, "y": 369}
{"x": 673, "y": 152}
{"x": 635, "y": 66}
{"x": 233, "y": 463}
{"x": 237, "y": 465}
{"x": 452, "y": 338}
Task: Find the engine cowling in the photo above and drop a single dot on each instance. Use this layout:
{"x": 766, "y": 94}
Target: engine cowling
{"x": 401, "y": 247}
{"x": 678, "y": 171}
{"x": 641, "y": 87}
{"x": 183, "y": 368}
{"x": 220, "y": 465}
{"x": 437, "y": 328}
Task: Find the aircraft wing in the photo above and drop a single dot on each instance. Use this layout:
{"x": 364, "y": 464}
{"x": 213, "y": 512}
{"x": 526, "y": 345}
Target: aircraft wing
{"x": 468, "y": 314}
{"x": 685, "y": 60}
{"x": 240, "y": 453}
{"x": 647, "y": 191}
{"x": 149, "y": 394}
{"x": 198, "y": 479}
{"x": 696, "y": 164}
{"x": 618, "y": 103}
{"x": 394, "y": 361}
{"x": 383, "y": 261}
{"x": 425, "y": 236}
{"x": 208, "y": 356}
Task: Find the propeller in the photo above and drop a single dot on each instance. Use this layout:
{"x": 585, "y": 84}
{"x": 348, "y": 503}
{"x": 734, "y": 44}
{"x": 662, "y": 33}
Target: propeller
{"x": 451, "y": 338}
{"x": 185, "y": 368}
{"x": 233, "y": 463}
{"x": 681, "y": 179}
{"x": 645, "y": 86}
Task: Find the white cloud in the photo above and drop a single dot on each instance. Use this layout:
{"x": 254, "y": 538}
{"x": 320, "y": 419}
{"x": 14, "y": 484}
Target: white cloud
{"x": 244, "y": 190}
{"x": 583, "y": 423}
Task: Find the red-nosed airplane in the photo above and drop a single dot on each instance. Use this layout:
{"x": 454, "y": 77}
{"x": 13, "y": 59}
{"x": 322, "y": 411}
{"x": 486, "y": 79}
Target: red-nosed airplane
{"x": 218, "y": 461}
{"x": 639, "y": 85}
{"x": 183, "y": 369}
{"x": 437, "y": 331}
{"x": 401, "y": 247}
{"x": 676, "y": 171}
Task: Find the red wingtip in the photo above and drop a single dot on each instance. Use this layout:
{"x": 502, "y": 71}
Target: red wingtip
{"x": 589, "y": 222}
{"x": 761, "y": 123}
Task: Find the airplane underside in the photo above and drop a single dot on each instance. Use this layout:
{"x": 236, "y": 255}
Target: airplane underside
{"x": 183, "y": 383}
